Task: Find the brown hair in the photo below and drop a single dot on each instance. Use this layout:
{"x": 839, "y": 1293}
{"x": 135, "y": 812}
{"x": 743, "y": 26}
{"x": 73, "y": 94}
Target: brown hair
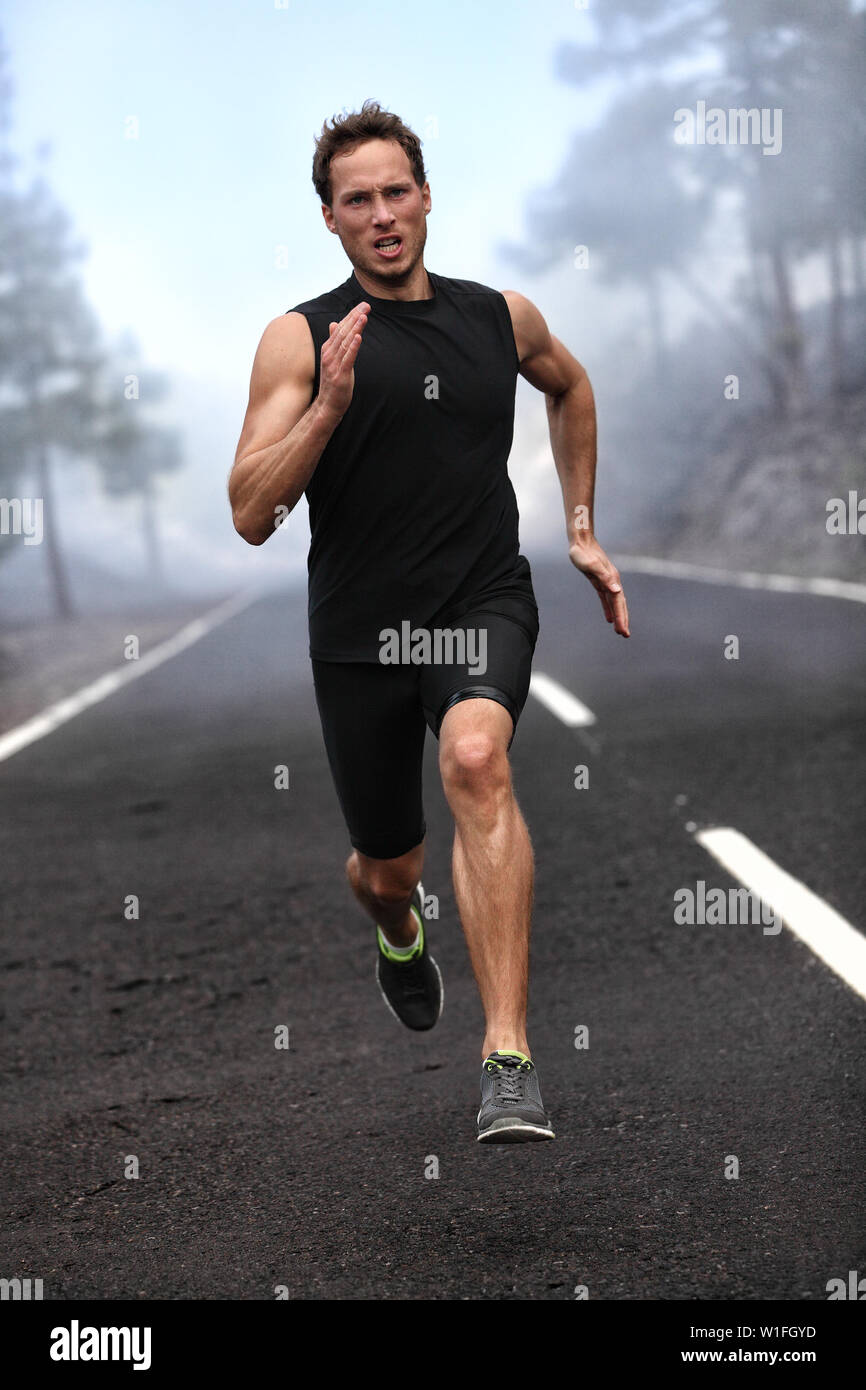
{"x": 347, "y": 131}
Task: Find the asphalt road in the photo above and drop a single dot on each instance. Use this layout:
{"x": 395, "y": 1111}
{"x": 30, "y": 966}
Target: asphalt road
{"x": 305, "y": 1167}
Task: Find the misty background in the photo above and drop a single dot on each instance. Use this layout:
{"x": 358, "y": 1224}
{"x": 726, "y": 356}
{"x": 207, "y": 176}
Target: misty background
{"x": 157, "y": 210}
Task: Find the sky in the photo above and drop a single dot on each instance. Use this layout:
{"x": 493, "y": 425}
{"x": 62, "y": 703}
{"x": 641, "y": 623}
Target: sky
{"x": 184, "y": 221}
{"x": 205, "y": 225}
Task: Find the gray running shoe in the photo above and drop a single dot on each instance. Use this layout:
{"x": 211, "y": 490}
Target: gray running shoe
{"x": 412, "y": 988}
{"x": 511, "y": 1108}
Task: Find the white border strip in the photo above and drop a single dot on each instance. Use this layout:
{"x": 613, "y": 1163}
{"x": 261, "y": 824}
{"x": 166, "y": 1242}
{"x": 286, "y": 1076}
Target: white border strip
{"x": 560, "y": 701}
{"x": 816, "y": 924}
{"x": 745, "y": 579}
{"x": 51, "y": 718}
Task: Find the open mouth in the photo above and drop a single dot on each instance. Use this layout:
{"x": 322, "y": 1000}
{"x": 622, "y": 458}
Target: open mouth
{"x": 389, "y": 246}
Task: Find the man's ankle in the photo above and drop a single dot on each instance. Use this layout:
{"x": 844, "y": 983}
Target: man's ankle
{"x": 518, "y": 1045}
{"x": 404, "y": 934}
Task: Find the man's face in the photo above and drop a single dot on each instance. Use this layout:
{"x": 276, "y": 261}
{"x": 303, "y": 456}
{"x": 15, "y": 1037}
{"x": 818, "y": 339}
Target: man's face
{"x": 375, "y": 199}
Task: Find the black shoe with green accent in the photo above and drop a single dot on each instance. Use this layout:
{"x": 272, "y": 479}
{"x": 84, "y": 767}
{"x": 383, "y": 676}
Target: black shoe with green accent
{"x": 411, "y": 985}
{"x": 511, "y": 1109}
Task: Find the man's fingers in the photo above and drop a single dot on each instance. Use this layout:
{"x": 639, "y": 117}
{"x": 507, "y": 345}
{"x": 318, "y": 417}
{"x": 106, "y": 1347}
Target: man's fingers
{"x": 341, "y": 348}
{"x": 591, "y": 560}
{"x": 356, "y": 327}
{"x": 604, "y": 577}
{"x": 339, "y": 330}
{"x": 348, "y": 325}
{"x": 618, "y": 605}
{"x": 339, "y": 340}
{"x": 610, "y": 591}
{"x": 350, "y": 354}
{"x": 603, "y": 595}
{"x": 619, "y": 610}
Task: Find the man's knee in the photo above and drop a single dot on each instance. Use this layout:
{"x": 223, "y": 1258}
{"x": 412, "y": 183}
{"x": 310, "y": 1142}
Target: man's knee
{"x": 476, "y": 762}
{"x": 389, "y": 880}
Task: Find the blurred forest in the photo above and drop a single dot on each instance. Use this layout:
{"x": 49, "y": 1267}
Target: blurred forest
{"x": 731, "y": 375}
{"x": 64, "y": 393}
{"x": 734, "y": 402}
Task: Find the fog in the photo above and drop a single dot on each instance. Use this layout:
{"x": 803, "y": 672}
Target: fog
{"x": 679, "y": 187}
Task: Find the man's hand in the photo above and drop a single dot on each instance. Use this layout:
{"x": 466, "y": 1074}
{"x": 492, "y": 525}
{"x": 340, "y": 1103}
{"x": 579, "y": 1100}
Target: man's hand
{"x": 337, "y": 376}
{"x": 587, "y": 555}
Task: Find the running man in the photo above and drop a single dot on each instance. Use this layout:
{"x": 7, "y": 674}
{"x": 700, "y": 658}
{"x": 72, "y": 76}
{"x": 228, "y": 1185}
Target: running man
{"x": 389, "y": 403}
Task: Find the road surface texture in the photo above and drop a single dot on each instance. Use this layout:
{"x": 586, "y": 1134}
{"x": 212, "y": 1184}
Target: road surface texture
{"x": 149, "y": 1043}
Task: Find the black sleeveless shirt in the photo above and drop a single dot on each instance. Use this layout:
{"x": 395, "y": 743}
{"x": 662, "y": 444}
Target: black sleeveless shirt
{"x": 412, "y": 512}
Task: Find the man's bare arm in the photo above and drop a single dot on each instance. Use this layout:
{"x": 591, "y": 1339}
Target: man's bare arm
{"x": 285, "y": 432}
{"x": 547, "y": 364}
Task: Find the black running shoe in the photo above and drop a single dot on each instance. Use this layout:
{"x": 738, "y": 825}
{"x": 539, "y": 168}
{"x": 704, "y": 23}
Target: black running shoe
{"x": 511, "y": 1109}
{"x": 411, "y": 986}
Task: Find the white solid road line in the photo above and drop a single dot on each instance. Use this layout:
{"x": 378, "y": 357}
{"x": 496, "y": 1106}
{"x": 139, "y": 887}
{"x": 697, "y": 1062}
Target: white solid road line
{"x": 560, "y": 701}
{"x": 55, "y": 715}
{"x": 816, "y": 924}
{"x": 742, "y": 579}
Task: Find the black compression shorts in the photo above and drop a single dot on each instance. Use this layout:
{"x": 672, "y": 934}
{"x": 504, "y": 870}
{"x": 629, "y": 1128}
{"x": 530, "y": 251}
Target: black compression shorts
{"x": 375, "y": 718}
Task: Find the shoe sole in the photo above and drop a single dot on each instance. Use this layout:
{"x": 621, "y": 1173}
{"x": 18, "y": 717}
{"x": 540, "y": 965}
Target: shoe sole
{"x": 389, "y": 1006}
{"x": 513, "y": 1132}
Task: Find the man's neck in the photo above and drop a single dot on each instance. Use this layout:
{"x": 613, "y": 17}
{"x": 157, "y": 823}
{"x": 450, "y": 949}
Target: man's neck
{"x": 418, "y": 286}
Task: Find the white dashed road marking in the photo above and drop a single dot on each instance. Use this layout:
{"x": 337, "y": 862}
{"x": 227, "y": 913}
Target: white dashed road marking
{"x": 742, "y": 579}
{"x": 560, "y": 701}
{"x": 816, "y": 924}
{"x": 60, "y": 713}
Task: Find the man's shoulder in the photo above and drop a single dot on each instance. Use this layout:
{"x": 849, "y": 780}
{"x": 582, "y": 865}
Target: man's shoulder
{"x": 336, "y": 302}
{"x": 465, "y": 287}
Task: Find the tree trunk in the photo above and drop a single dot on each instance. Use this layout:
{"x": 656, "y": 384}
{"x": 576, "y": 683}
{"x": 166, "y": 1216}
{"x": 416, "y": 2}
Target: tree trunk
{"x": 790, "y": 336}
{"x": 757, "y": 272}
{"x": 152, "y": 549}
{"x": 59, "y": 582}
{"x": 857, "y": 268}
{"x": 708, "y": 301}
{"x": 835, "y": 324}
